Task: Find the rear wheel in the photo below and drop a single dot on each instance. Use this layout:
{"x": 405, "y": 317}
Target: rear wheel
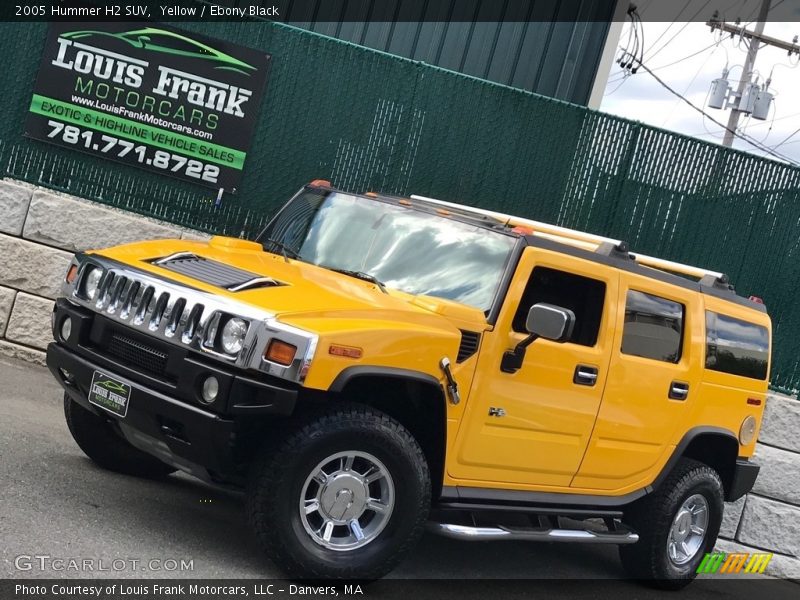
{"x": 345, "y": 495}
{"x": 677, "y": 526}
{"x": 100, "y": 442}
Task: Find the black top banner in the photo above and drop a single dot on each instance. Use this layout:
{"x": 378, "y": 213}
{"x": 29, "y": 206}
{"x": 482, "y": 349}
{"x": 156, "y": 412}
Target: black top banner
{"x": 320, "y": 11}
{"x": 150, "y": 95}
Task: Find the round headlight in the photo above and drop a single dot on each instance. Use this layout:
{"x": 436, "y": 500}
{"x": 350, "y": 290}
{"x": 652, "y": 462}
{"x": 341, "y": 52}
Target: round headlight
{"x": 747, "y": 431}
{"x": 233, "y": 335}
{"x": 91, "y": 281}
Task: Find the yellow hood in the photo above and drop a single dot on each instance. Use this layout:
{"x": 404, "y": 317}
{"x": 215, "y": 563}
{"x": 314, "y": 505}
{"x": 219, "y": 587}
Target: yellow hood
{"x": 308, "y": 291}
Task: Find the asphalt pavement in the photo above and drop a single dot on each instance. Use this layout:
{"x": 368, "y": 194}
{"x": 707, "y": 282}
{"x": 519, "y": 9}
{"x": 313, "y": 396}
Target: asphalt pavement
{"x": 55, "y": 503}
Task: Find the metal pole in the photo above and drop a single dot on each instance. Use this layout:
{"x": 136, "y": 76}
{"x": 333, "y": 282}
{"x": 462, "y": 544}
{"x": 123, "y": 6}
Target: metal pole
{"x": 747, "y": 71}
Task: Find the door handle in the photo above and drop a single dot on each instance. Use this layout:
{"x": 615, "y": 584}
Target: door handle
{"x": 678, "y": 390}
{"x": 585, "y": 375}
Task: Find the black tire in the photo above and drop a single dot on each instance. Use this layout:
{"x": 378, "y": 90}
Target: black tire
{"x": 652, "y": 518}
{"x": 100, "y": 442}
{"x": 278, "y": 476}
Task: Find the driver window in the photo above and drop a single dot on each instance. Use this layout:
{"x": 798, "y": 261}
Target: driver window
{"x": 581, "y": 295}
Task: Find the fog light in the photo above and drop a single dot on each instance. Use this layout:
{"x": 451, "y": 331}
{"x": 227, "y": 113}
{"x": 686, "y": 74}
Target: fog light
{"x": 66, "y": 376}
{"x": 66, "y": 328}
{"x": 210, "y": 390}
{"x": 747, "y": 432}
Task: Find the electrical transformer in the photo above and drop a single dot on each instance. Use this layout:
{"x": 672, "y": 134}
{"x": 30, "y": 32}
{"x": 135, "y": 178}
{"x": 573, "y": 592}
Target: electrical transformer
{"x": 719, "y": 92}
{"x": 762, "y": 104}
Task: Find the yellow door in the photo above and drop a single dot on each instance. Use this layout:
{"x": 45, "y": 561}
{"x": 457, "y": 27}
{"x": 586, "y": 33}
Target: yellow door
{"x": 532, "y": 426}
{"x": 654, "y": 377}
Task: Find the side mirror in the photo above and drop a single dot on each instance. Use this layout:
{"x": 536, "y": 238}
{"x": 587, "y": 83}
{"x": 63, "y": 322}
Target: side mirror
{"x": 544, "y": 320}
{"x": 550, "y": 322}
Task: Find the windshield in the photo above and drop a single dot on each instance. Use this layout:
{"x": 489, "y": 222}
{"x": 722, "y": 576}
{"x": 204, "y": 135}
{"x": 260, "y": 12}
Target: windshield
{"x": 402, "y": 248}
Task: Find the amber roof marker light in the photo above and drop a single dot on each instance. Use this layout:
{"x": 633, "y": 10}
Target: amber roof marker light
{"x": 324, "y": 183}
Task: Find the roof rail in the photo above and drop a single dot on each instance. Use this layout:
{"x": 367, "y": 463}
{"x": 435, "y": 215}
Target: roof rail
{"x": 587, "y": 241}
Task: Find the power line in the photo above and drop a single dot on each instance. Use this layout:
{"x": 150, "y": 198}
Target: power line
{"x": 774, "y": 120}
{"x": 788, "y": 137}
{"x": 793, "y": 142}
{"x": 685, "y": 25}
{"x": 637, "y": 17}
{"x": 744, "y": 137}
{"x": 685, "y": 91}
{"x": 663, "y": 33}
{"x": 624, "y": 79}
{"x": 658, "y": 68}
{"x": 624, "y": 74}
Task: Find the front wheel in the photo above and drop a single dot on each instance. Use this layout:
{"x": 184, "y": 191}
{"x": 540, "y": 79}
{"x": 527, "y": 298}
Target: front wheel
{"x": 345, "y": 495}
{"x": 677, "y": 526}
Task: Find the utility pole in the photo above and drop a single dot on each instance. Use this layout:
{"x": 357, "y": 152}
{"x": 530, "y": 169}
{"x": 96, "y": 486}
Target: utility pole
{"x": 747, "y": 70}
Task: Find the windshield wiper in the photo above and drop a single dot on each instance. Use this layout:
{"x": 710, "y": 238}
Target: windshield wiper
{"x": 285, "y": 250}
{"x": 362, "y": 276}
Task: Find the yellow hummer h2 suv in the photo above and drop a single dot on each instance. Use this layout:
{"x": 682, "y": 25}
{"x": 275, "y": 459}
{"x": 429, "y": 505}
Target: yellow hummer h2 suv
{"x": 371, "y": 365}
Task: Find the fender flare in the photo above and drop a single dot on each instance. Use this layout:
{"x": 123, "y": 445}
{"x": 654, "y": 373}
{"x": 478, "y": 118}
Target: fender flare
{"x": 680, "y": 450}
{"x": 350, "y": 373}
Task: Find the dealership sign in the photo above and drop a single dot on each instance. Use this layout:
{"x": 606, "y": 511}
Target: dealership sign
{"x": 150, "y": 96}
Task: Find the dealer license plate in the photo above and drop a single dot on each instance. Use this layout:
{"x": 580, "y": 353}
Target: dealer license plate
{"x": 109, "y": 393}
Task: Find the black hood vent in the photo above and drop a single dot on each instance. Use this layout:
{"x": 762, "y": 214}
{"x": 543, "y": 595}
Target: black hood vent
{"x": 213, "y": 272}
{"x": 469, "y": 345}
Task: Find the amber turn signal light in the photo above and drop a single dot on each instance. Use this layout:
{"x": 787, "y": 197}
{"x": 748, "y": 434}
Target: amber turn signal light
{"x": 346, "y": 351}
{"x": 73, "y": 271}
{"x": 280, "y": 352}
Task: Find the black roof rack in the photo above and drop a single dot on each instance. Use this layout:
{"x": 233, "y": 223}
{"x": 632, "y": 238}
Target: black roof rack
{"x": 589, "y": 241}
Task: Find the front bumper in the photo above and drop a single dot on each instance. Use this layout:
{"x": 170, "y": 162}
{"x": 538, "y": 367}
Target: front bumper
{"x": 165, "y": 416}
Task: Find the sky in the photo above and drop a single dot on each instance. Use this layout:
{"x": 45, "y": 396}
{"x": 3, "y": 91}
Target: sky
{"x": 642, "y": 98}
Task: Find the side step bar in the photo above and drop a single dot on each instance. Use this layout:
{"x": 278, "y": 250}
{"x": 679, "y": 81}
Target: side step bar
{"x": 465, "y": 532}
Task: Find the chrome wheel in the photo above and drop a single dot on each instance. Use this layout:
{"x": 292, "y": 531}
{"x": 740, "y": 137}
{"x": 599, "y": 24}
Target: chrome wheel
{"x": 347, "y": 500}
{"x": 688, "y": 531}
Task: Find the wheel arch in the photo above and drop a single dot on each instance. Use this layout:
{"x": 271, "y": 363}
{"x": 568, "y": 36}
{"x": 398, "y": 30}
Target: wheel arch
{"x": 415, "y": 399}
{"x": 714, "y": 446}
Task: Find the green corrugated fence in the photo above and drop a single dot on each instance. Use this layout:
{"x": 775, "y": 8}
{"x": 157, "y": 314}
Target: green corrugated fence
{"x": 371, "y": 121}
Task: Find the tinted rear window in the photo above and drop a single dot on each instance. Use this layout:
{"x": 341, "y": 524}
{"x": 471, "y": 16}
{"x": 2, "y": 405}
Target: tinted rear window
{"x": 653, "y": 327}
{"x": 736, "y": 347}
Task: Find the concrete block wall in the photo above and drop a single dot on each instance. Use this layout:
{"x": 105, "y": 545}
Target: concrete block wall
{"x": 39, "y": 231}
{"x": 768, "y": 518}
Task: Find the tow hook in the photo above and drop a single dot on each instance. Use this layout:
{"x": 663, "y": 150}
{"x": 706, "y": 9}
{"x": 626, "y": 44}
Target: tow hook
{"x": 452, "y": 386}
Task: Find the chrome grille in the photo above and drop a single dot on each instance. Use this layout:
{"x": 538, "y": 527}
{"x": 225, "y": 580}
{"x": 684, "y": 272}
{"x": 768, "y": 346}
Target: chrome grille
{"x": 166, "y": 310}
{"x": 184, "y": 316}
{"x": 151, "y": 306}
